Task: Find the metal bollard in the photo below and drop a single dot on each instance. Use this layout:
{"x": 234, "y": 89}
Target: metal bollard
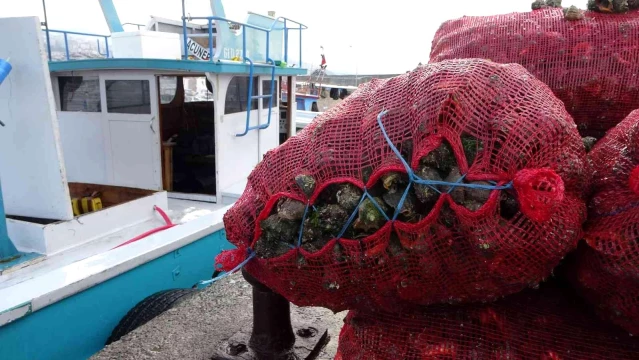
{"x": 272, "y": 336}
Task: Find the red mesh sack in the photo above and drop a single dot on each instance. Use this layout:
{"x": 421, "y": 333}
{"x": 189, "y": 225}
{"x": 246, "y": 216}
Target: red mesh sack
{"x": 539, "y": 325}
{"x": 608, "y": 267}
{"x": 591, "y": 64}
{"x": 528, "y": 165}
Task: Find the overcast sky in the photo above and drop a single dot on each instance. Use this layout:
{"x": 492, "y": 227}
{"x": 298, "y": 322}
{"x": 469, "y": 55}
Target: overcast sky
{"x": 357, "y": 35}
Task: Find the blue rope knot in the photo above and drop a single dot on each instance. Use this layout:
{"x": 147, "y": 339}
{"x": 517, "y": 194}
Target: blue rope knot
{"x": 204, "y": 283}
{"x": 299, "y": 237}
{"x": 356, "y": 211}
{"x": 400, "y": 205}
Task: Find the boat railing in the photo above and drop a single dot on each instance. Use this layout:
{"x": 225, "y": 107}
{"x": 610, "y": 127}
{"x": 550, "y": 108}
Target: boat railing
{"x": 139, "y": 26}
{"x": 279, "y": 24}
{"x": 65, "y": 34}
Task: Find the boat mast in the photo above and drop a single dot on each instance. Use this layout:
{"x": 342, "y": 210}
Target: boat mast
{"x": 111, "y": 16}
{"x": 46, "y": 28}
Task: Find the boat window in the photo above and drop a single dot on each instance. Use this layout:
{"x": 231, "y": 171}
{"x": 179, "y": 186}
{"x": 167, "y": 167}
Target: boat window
{"x": 197, "y": 89}
{"x": 168, "y": 89}
{"x": 128, "y": 96}
{"x": 236, "y": 95}
{"x": 79, "y": 93}
{"x": 266, "y": 90}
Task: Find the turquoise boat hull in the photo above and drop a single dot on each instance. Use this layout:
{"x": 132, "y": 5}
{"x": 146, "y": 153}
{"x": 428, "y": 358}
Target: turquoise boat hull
{"x": 77, "y": 327}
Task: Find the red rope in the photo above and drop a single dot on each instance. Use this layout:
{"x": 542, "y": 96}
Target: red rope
{"x": 167, "y": 220}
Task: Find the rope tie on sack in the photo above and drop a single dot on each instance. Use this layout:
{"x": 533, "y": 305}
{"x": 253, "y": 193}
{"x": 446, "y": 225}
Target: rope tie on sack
{"x": 538, "y": 190}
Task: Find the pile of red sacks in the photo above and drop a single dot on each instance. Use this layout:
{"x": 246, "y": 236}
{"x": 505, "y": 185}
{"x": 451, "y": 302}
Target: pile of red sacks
{"x": 432, "y": 204}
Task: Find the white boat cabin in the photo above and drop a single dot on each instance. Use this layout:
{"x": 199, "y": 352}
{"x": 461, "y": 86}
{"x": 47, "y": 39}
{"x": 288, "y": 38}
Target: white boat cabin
{"x": 164, "y": 130}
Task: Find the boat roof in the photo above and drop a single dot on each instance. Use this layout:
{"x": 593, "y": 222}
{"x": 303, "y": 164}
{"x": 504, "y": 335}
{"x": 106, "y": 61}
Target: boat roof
{"x": 170, "y": 65}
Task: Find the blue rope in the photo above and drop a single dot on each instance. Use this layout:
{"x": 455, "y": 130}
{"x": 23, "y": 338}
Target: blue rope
{"x": 419, "y": 181}
{"x": 459, "y": 181}
{"x": 379, "y": 208}
{"x": 390, "y": 143}
{"x": 352, "y": 217}
{"x": 432, "y": 183}
{"x": 401, "y": 202}
{"x": 299, "y": 237}
{"x": 289, "y": 245}
{"x": 465, "y": 185}
{"x": 617, "y": 212}
{"x": 204, "y": 283}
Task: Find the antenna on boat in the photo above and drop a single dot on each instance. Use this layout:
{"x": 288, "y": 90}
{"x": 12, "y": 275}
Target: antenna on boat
{"x": 185, "y": 40}
{"x": 46, "y": 28}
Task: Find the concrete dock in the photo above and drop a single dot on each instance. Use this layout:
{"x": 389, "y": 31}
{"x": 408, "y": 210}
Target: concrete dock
{"x": 200, "y": 325}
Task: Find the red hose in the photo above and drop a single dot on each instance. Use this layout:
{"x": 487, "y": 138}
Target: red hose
{"x": 168, "y": 225}
{"x": 166, "y": 218}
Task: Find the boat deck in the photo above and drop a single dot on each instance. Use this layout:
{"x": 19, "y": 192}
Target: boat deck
{"x": 180, "y": 212}
{"x": 55, "y": 277}
{"x": 197, "y": 327}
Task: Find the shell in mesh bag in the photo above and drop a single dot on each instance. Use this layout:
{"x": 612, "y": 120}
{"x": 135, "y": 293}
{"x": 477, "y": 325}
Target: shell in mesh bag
{"x": 537, "y": 325}
{"x": 608, "y": 263}
{"x": 459, "y": 181}
{"x": 591, "y": 63}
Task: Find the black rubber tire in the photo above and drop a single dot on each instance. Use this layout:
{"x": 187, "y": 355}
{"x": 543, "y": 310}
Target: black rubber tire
{"x": 147, "y": 309}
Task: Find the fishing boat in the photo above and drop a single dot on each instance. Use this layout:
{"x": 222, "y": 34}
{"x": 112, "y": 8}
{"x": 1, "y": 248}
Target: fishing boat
{"x": 308, "y": 95}
{"x": 119, "y": 156}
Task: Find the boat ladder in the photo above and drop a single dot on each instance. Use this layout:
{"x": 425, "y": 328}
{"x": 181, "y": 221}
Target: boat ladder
{"x": 250, "y": 97}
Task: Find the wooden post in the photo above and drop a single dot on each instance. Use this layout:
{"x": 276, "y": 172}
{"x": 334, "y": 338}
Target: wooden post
{"x": 167, "y": 169}
{"x": 290, "y": 106}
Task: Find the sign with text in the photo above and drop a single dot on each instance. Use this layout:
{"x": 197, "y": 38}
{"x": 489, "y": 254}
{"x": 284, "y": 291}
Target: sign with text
{"x": 196, "y": 50}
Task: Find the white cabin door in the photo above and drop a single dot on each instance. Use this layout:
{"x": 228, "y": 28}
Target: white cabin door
{"x": 132, "y": 135}
{"x": 238, "y": 149}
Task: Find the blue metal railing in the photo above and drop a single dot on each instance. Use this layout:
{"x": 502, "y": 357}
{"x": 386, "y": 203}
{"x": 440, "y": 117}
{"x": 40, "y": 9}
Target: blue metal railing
{"x": 247, "y": 127}
{"x": 66, "y": 42}
{"x": 274, "y": 27}
{"x": 134, "y": 24}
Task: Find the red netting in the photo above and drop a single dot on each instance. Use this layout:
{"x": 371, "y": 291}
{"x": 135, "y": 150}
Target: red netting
{"x": 461, "y": 249}
{"x": 634, "y": 180}
{"x": 591, "y": 64}
{"x": 608, "y": 268}
{"x": 539, "y": 325}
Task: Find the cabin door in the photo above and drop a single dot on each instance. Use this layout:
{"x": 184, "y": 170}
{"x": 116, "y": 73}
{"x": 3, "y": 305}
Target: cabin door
{"x": 239, "y": 150}
{"x": 132, "y": 125}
